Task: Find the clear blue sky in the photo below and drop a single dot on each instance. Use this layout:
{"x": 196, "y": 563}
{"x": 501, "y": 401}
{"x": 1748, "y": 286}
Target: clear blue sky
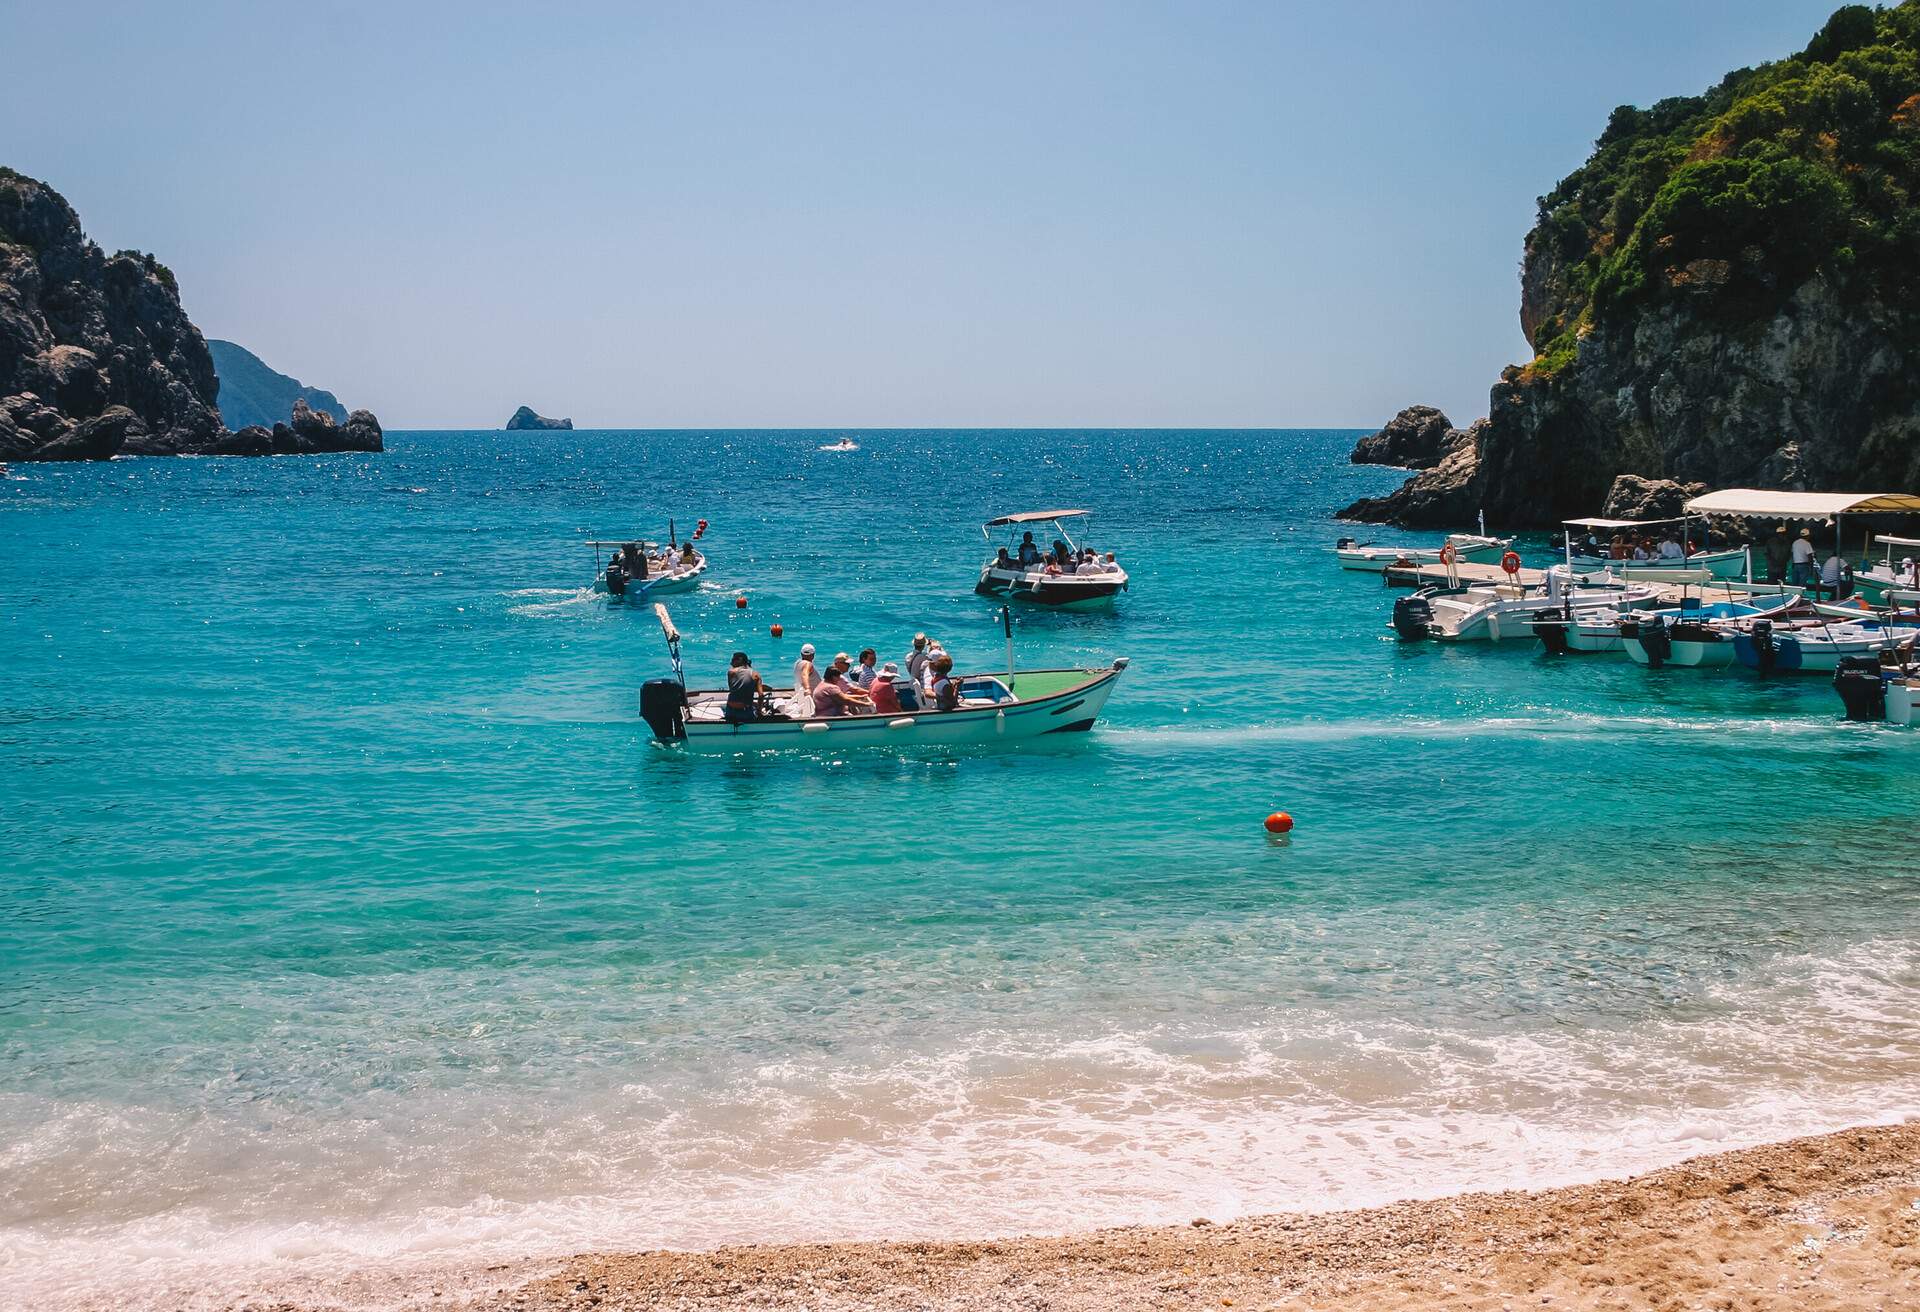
{"x": 836, "y": 214}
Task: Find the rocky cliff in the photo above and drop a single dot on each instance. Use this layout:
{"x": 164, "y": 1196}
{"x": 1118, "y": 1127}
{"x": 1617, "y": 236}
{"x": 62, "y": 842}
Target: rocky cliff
{"x": 253, "y": 393}
{"x": 98, "y": 359}
{"x": 525, "y": 418}
{"x": 1726, "y": 292}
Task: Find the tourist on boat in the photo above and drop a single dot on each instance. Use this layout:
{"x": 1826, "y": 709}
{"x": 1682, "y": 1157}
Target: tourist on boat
{"x": 905, "y": 690}
{"x": 863, "y": 672}
{"x": 886, "y": 701}
{"x": 1640, "y": 551}
{"x": 1029, "y": 552}
{"x": 743, "y": 690}
{"x": 928, "y": 673}
{"x": 634, "y": 560}
{"x": 1803, "y": 571}
{"x": 1670, "y": 549}
{"x": 1003, "y": 561}
{"x": 1778, "y": 552}
{"x": 805, "y": 679}
{"x": 616, "y": 577}
{"x": 834, "y": 696}
{"x": 688, "y": 556}
{"x": 946, "y": 688}
{"x": 1837, "y": 575}
{"x": 917, "y": 659}
{"x": 1618, "y": 549}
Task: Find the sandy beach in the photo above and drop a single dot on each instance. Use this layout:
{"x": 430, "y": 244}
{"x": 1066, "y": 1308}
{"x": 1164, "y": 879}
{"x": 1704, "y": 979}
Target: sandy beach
{"x": 1817, "y": 1223}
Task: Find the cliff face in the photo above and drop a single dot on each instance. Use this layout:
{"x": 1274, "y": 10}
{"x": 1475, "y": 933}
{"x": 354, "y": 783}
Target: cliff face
{"x": 253, "y": 393}
{"x": 97, "y": 357}
{"x": 525, "y": 419}
{"x": 1727, "y": 292}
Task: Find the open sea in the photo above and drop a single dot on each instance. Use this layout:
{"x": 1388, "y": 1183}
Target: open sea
{"x": 349, "y": 918}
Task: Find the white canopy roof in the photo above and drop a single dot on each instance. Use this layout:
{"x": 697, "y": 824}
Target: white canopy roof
{"x": 1800, "y": 505}
{"x": 1035, "y": 517}
{"x": 1616, "y": 523}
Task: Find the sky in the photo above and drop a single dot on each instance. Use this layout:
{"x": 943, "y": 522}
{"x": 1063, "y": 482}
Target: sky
{"x": 852, "y": 215}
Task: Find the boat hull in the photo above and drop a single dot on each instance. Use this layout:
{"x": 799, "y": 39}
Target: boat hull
{"x": 1725, "y": 565}
{"x": 1377, "y": 560}
{"x": 657, "y": 586}
{"x": 1072, "y": 709}
{"x": 1708, "y": 653}
{"x": 1794, "y": 654}
{"x": 1053, "y": 591}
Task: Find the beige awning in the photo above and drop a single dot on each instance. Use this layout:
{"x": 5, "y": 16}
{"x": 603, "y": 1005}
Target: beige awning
{"x": 1801, "y": 505}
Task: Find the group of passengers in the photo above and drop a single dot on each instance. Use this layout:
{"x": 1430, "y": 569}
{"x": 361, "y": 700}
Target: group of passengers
{"x": 845, "y": 686}
{"x": 1060, "y": 559}
{"x": 1626, "y": 546}
{"x": 632, "y": 563}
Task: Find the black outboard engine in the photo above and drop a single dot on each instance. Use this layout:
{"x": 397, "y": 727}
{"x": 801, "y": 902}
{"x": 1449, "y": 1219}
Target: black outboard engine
{"x": 1844, "y": 588}
{"x": 1655, "y": 640}
{"x": 1550, "y": 626}
{"x": 1412, "y": 617}
{"x": 1862, "y": 690}
{"x": 662, "y": 705}
{"x": 1345, "y": 544}
{"x": 616, "y": 579}
{"x": 1765, "y": 650}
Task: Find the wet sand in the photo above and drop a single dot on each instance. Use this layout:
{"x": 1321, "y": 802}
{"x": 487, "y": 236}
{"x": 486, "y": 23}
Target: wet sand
{"x": 1827, "y": 1222}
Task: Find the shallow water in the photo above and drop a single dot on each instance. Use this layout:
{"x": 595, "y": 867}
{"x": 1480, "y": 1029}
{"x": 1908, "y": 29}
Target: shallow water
{"x": 348, "y": 913}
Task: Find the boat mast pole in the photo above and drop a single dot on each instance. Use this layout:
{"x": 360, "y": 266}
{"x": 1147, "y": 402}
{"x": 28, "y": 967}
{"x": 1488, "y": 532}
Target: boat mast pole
{"x": 1006, "y": 619}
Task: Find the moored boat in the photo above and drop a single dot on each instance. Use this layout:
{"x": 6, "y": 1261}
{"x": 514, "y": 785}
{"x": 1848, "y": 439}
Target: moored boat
{"x": 1698, "y": 635}
{"x": 1060, "y": 577}
{"x": 1503, "y": 611}
{"x": 1476, "y": 548}
{"x": 1592, "y": 555}
{"x": 1815, "y": 646}
{"x": 1876, "y": 581}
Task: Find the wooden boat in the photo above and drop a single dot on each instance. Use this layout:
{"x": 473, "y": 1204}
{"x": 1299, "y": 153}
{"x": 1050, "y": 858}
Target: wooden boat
{"x": 1727, "y": 563}
{"x": 675, "y": 574}
{"x": 1477, "y": 548}
{"x": 994, "y": 710}
{"x": 1047, "y": 582}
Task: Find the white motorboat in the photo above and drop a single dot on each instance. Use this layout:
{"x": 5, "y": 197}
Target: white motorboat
{"x": 844, "y": 444}
{"x": 994, "y": 710}
{"x": 1592, "y": 555}
{"x": 1058, "y": 576}
{"x": 1496, "y": 612}
{"x": 1477, "y": 548}
{"x": 1698, "y": 635}
{"x": 638, "y": 570}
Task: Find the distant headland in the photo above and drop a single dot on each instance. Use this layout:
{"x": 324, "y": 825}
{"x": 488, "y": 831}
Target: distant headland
{"x": 98, "y": 359}
{"x": 253, "y": 393}
{"x": 525, "y": 418}
{"x": 1726, "y": 292}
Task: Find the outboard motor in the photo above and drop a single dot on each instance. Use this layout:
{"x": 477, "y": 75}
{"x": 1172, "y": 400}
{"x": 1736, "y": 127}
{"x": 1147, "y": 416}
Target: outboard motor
{"x": 1862, "y": 690}
{"x": 616, "y": 579}
{"x": 1655, "y": 640}
{"x": 1550, "y": 626}
{"x": 662, "y": 705}
{"x": 1345, "y": 544}
{"x": 1844, "y": 588}
{"x": 1766, "y": 651}
{"x": 1412, "y": 617}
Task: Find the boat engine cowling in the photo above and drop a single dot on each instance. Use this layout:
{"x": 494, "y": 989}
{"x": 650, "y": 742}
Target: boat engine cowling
{"x": 1550, "y": 626}
{"x": 663, "y": 703}
{"x": 1655, "y": 640}
{"x": 1862, "y": 691}
{"x": 1766, "y": 652}
{"x": 1412, "y": 617}
{"x": 1345, "y": 544}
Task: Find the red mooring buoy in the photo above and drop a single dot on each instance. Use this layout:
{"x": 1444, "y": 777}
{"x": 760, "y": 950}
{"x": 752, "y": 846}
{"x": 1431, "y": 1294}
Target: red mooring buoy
{"x": 1279, "y": 822}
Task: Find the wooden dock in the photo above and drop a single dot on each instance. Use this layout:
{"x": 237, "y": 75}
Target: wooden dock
{"x": 1435, "y": 576}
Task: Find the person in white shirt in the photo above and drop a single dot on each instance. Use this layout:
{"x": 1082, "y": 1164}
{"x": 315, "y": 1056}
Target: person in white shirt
{"x": 805, "y": 678}
{"x": 1671, "y": 550}
{"x": 1803, "y": 571}
{"x": 917, "y": 660}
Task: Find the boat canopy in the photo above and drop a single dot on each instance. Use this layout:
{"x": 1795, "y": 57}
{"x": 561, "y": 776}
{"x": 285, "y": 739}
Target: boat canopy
{"x": 1802, "y": 505}
{"x": 1621, "y": 523}
{"x": 1037, "y": 517}
{"x": 621, "y": 542}
{"x": 1897, "y": 542}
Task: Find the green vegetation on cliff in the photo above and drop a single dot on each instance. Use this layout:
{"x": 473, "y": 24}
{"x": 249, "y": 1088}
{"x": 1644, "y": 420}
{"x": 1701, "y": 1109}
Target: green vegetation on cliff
{"x": 1734, "y": 198}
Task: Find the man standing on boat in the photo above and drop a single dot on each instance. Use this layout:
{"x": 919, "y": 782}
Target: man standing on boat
{"x": 1778, "y": 551}
{"x": 917, "y": 660}
{"x": 805, "y": 678}
{"x": 743, "y": 691}
{"x": 1803, "y": 570}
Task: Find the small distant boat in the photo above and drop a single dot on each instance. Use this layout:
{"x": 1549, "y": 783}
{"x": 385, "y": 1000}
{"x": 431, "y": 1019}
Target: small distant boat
{"x": 994, "y": 709}
{"x": 639, "y": 570}
{"x": 844, "y": 444}
{"x": 1056, "y": 579}
{"x": 1476, "y": 548}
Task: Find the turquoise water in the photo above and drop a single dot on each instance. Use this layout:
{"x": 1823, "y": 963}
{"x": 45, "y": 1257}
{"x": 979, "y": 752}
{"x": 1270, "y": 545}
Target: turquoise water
{"x": 349, "y": 916}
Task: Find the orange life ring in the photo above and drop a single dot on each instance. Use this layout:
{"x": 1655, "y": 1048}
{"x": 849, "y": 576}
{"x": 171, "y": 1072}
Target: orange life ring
{"x": 1449, "y": 554}
{"x": 1510, "y": 562}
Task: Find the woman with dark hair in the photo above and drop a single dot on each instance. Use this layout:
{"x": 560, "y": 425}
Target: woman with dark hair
{"x": 743, "y": 691}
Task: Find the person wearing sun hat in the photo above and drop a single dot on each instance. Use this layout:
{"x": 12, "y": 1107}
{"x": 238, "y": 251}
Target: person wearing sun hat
{"x": 886, "y": 700}
{"x": 1778, "y": 550}
{"x": 1803, "y": 568}
{"x": 805, "y": 679}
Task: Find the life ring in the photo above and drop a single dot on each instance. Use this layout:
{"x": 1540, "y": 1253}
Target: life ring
{"x": 1510, "y": 562}
{"x": 1449, "y": 554}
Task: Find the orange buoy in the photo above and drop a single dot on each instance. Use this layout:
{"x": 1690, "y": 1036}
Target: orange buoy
{"x": 741, "y": 601}
{"x": 1510, "y": 562}
{"x": 1279, "y": 822}
{"x": 776, "y": 630}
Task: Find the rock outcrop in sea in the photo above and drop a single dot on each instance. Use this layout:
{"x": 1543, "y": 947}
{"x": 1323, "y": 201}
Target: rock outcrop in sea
{"x": 1727, "y": 293}
{"x": 98, "y": 359}
{"x": 525, "y": 418}
{"x": 251, "y": 392}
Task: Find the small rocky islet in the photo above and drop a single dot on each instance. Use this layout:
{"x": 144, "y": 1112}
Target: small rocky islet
{"x": 1726, "y": 293}
{"x": 98, "y": 358}
{"x": 525, "y": 420}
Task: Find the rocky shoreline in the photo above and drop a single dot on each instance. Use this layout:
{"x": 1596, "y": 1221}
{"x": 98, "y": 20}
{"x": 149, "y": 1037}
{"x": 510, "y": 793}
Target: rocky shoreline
{"x": 98, "y": 359}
